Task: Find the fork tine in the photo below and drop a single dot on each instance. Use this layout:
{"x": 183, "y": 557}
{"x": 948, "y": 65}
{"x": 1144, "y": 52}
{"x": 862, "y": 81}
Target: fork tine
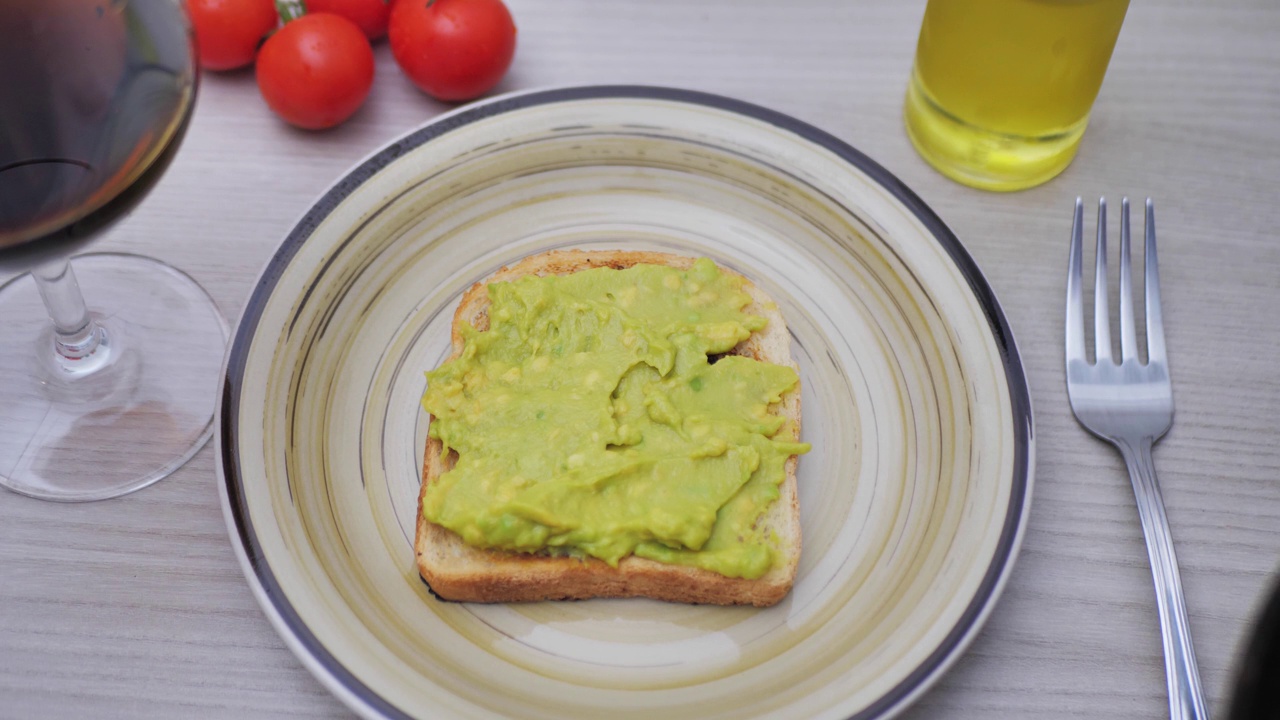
{"x": 1155, "y": 323}
{"x": 1101, "y": 311}
{"x": 1128, "y": 331}
{"x": 1075, "y": 292}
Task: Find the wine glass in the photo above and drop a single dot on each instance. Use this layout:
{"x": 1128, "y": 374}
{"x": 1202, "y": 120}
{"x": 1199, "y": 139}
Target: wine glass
{"x": 101, "y": 399}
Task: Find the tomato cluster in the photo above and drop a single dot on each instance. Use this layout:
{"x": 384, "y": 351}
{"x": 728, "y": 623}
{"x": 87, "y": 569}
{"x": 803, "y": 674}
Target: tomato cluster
{"x": 316, "y": 69}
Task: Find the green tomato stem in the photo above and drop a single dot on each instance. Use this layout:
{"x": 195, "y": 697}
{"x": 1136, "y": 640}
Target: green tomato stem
{"x": 290, "y": 10}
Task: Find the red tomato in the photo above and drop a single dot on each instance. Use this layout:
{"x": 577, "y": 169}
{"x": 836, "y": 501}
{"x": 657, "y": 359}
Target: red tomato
{"x": 316, "y": 71}
{"x": 369, "y": 15}
{"x": 452, "y": 49}
{"x": 228, "y": 31}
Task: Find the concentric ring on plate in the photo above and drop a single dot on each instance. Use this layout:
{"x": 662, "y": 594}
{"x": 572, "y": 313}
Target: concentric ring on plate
{"x": 912, "y": 501}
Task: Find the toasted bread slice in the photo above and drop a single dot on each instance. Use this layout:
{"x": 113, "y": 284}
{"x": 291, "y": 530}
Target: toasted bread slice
{"x": 460, "y": 572}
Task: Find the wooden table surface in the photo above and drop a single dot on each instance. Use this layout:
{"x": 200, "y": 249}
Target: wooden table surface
{"x": 137, "y": 608}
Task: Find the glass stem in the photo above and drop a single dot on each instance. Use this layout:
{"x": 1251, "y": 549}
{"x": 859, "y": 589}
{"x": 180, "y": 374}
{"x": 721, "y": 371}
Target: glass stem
{"x": 77, "y": 335}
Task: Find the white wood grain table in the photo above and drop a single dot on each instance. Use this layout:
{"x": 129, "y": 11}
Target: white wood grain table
{"x": 136, "y": 607}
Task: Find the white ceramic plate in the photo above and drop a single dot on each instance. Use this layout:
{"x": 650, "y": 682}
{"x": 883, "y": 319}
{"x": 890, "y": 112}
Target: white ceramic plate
{"x": 912, "y": 501}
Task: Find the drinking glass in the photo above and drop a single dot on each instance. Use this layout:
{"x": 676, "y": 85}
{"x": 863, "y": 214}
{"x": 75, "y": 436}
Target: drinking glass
{"x": 1001, "y": 89}
{"x": 101, "y": 399}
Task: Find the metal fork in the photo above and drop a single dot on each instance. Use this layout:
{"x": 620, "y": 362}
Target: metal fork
{"x": 1130, "y": 405}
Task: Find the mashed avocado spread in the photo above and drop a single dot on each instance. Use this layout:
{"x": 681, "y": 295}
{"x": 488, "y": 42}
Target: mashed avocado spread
{"x": 590, "y": 420}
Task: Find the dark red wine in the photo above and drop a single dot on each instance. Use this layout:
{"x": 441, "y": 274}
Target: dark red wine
{"x": 95, "y": 96}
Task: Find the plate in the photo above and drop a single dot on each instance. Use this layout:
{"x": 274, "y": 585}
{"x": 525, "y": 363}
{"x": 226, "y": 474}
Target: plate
{"x": 912, "y": 501}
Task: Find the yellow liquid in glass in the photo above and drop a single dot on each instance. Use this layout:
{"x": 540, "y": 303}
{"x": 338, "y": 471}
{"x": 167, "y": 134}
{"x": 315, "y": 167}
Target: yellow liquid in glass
{"x": 1001, "y": 90}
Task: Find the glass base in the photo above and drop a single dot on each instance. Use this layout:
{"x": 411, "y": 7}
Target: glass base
{"x": 138, "y": 410}
{"x": 983, "y": 158}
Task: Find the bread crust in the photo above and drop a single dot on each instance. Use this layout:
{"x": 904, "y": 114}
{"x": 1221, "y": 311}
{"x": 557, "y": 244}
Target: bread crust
{"x": 456, "y": 571}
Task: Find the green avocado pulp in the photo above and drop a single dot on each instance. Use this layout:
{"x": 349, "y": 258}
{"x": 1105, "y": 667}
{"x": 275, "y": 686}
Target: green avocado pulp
{"x": 590, "y": 421}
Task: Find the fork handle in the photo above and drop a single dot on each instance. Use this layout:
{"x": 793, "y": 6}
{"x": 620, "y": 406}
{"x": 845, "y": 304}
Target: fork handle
{"x": 1186, "y": 698}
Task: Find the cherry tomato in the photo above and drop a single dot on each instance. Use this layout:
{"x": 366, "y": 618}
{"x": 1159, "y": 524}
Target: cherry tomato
{"x": 228, "y": 31}
{"x": 316, "y": 71}
{"x": 369, "y": 15}
{"x": 452, "y": 49}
